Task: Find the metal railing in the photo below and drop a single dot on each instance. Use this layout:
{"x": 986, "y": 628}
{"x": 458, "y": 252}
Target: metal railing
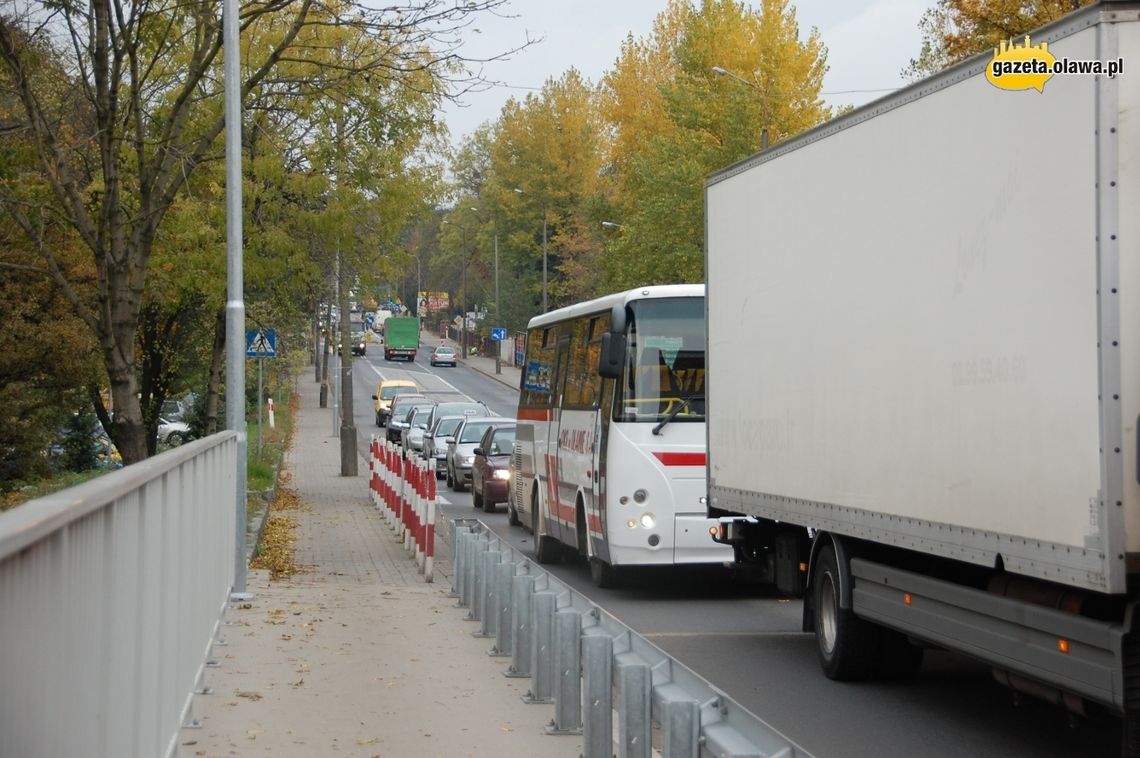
{"x": 111, "y": 595}
{"x": 591, "y": 666}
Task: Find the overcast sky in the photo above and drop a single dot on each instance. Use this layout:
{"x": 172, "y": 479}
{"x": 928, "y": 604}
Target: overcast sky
{"x": 868, "y": 42}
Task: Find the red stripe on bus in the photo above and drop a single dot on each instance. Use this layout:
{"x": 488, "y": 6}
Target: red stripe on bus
{"x": 535, "y": 414}
{"x": 682, "y": 459}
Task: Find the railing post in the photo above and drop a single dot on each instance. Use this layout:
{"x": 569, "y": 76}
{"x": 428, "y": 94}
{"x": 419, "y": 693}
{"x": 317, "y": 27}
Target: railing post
{"x": 634, "y": 739}
{"x": 682, "y": 729}
{"x": 458, "y": 561}
{"x": 568, "y": 674}
{"x": 504, "y": 572}
{"x": 522, "y": 611}
{"x": 597, "y": 683}
{"x": 542, "y": 652}
{"x": 474, "y": 564}
{"x": 488, "y": 616}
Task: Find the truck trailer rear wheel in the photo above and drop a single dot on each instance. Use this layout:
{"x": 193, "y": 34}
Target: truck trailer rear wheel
{"x": 849, "y": 647}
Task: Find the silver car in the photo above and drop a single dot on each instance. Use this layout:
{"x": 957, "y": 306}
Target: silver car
{"x": 461, "y": 449}
{"x": 412, "y": 435}
{"x": 436, "y": 439}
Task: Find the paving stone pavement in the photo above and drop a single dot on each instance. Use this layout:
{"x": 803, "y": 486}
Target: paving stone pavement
{"x": 357, "y": 656}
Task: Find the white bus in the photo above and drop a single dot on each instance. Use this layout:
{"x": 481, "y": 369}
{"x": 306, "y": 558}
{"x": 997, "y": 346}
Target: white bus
{"x": 609, "y": 458}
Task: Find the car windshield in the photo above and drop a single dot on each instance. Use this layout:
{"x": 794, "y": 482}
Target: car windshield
{"x": 444, "y": 350}
{"x": 446, "y": 427}
{"x": 472, "y": 433}
{"x": 415, "y": 410}
{"x": 502, "y": 442}
{"x": 390, "y": 392}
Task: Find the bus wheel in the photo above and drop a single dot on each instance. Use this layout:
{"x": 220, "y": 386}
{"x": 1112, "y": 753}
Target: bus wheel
{"x": 512, "y": 514}
{"x": 603, "y": 574}
{"x": 546, "y": 549}
{"x": 849, "y": 647}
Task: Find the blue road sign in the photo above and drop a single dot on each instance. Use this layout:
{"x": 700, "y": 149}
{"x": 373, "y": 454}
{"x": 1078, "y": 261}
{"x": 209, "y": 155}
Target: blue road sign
{"x": 498, "y": 333}
{"x": 261, "y": 343}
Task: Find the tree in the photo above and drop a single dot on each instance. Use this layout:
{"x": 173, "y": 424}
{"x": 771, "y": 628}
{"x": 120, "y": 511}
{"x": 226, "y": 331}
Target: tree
{"x": 544, "y": 170}
{"x": 954, "y": 30}
{"x": 122, "y": 102}
{"x": 676, "y": 121}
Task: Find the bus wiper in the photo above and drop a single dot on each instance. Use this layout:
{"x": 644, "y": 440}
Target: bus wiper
{"x": 686, "y": 402}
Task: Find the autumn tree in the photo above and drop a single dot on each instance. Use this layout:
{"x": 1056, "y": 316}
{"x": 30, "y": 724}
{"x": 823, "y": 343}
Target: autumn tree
{"x": 676, "y": 121}
{"x": 122, "y": 102}
{"x": 954, "y": 30}
{"x": 543, "y": 173}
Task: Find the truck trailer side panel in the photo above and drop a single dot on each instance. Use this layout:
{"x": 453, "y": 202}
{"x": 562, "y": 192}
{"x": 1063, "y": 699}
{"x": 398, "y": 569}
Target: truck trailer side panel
{"x": 920, "y": 284}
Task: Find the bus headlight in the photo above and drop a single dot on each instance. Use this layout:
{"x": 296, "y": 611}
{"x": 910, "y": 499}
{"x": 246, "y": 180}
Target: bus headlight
{"x": 648, "y": 521}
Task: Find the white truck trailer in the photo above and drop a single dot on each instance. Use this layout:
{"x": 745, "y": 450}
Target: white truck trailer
{"x": 924, "y": 372}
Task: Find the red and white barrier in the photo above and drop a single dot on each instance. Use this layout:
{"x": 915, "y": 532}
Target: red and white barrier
{"x": 404, "y": 489}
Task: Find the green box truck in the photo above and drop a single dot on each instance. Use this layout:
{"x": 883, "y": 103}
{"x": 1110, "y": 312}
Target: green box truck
{"x": 401, "y": 337}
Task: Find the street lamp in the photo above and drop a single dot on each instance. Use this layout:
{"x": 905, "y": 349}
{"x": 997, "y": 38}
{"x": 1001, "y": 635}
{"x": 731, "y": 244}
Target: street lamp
{"x": 544, "y": 257}
{"x": 721, "y": 71}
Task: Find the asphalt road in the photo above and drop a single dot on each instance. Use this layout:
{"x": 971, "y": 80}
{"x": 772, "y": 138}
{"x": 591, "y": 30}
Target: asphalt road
{"x": 747, "y": 641}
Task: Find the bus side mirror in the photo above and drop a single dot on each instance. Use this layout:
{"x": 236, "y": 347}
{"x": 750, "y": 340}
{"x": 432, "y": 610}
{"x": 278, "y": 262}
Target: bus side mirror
{"x": 612, "y": 356}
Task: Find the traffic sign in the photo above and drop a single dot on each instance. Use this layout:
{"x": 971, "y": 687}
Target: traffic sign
{"x": 261, "y": 343}
{"x": 498, "y": 334}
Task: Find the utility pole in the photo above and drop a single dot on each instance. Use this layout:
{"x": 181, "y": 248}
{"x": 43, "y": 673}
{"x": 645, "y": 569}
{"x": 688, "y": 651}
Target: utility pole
{"x": 235, "y": 296}
{"x": 347, "y": 423}
{"x": 499, "y": 347}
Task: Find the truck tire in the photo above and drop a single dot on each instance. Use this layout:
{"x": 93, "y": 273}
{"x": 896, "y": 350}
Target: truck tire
{"x": 546, "y": 549}
{"x": 849, "y": 647}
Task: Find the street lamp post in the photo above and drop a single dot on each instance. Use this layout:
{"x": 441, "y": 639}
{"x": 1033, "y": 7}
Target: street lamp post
{"x": 721, "y": 71}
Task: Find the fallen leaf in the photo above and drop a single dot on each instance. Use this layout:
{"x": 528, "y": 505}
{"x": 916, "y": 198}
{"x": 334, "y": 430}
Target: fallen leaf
{"x": 252, "y": 733}
{"x": 367, "y": 741}
{"x": 254, "y": 696}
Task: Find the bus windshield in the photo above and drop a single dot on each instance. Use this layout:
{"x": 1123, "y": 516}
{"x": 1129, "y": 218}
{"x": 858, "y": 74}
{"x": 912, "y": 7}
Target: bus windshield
{"x": 665, "y": 366}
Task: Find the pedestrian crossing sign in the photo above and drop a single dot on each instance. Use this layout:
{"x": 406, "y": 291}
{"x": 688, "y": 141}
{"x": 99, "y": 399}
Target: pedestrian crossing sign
{"x": 261, "y": 343}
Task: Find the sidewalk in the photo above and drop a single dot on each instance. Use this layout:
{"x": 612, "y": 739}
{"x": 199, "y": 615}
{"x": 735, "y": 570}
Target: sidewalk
{"x": 358, "y": 656}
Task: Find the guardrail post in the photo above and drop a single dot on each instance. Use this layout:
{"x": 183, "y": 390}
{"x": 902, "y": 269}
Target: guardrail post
{"x": 522, "y": 614}
{"x": 459, "y": 565}
{"x": 458, "y": 557}
{"x": 487, "y": 615}
{"x": 542, "y": 653}
{"x": 504, "y": 572}
{"x": 568, "y": 673}
{"x": 634, "y": 740}
{"x": 478, "y": 549}
{"x": 597, "y": 683}
{"x": 682, "y": 729}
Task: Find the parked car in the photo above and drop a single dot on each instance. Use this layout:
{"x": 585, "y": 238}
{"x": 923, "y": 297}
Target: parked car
{"x": 172, "y": 433}
{"x": 458, "y": 408}
{"x": 412, "y": 436}
{"x": 359, "y": 344}
{"x": 443, "y": 356}
{"x": 435, "y": 442}
{"x": 461, "y": 449}
{"x": 401, "y": 408}
{"x": 490, "y": 471}
{"x": 386, "y": 391}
